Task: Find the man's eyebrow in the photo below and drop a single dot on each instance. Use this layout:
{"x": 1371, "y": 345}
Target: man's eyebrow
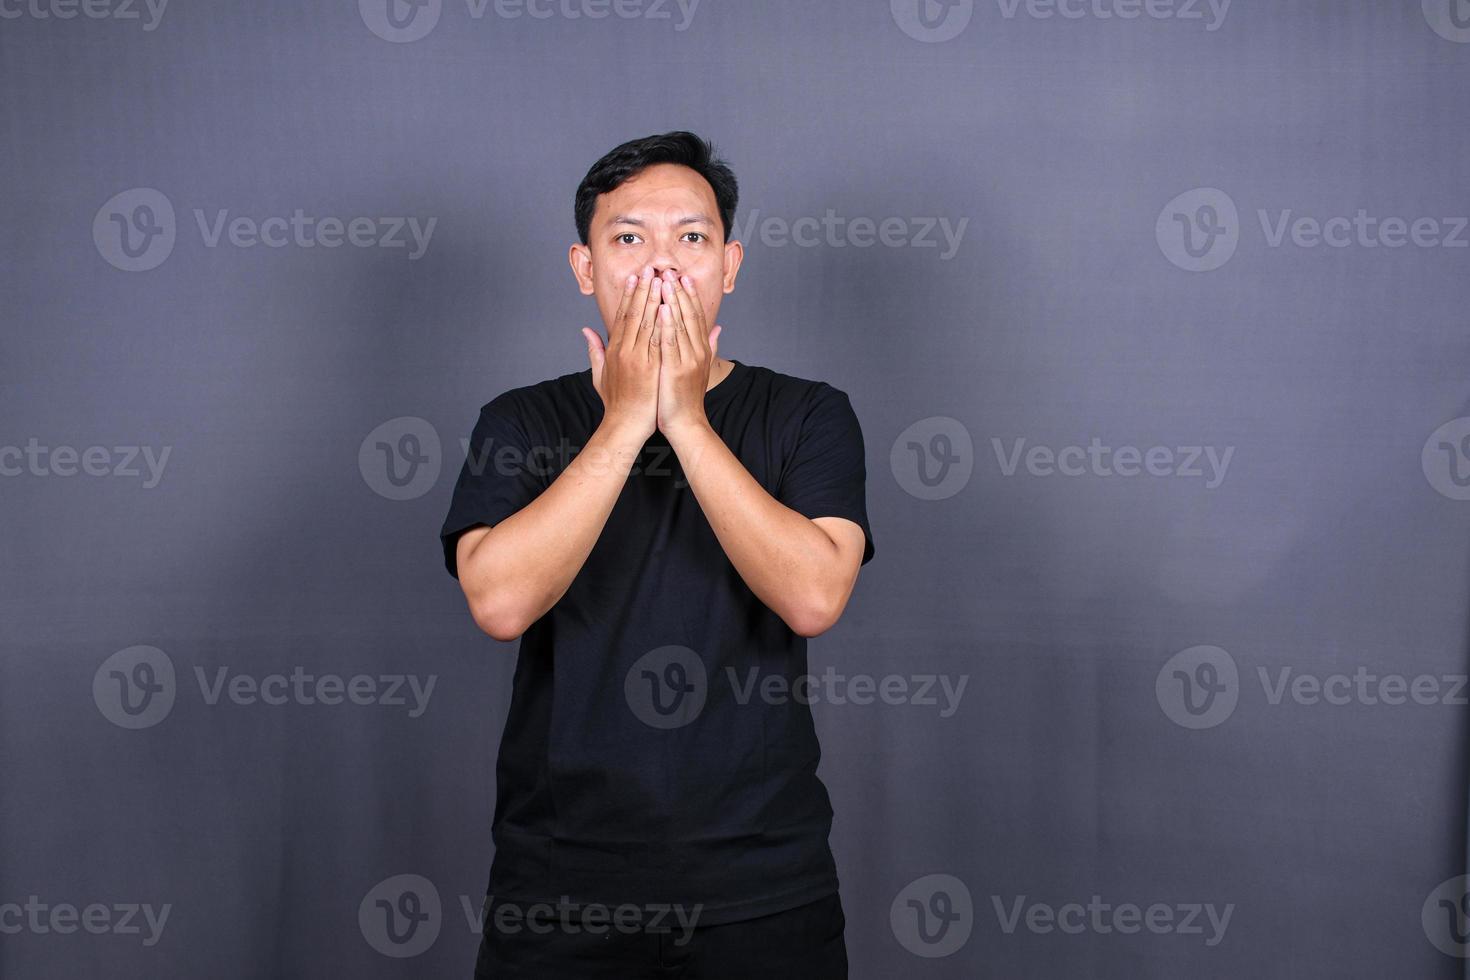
{"x": 689, "y": 219}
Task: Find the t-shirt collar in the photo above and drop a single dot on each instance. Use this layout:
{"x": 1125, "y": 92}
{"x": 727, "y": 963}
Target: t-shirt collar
{"x": 714, "y": 396}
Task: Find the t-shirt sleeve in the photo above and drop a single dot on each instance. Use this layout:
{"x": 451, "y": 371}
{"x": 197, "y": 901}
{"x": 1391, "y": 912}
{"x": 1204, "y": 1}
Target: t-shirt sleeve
{"x": 497, "y": 479}
{"x": 827, "y": 473}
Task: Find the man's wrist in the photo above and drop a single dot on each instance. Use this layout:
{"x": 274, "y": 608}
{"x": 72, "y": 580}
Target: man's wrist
{"x": 687, "y": 430}
{"x": 620, "y": 438}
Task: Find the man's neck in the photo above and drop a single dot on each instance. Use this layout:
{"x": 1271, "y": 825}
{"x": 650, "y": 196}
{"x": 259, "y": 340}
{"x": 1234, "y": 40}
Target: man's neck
{"x": 719, "y": 371}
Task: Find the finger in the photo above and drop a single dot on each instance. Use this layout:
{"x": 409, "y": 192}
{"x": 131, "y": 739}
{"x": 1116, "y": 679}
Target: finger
{"x": 655, "y": 345}
{"x": 691, "y": 317}
{"x": 693, "y": 308}
{"x": 638, "y": 304}
{"x": 648, "y": 333}
{"x": 629, "y": 285}
{"x": 680, "y": 338}
{"x": 714, "y": 342}
{"x": 596, "y": 352}
{"x": 668, "y": 335}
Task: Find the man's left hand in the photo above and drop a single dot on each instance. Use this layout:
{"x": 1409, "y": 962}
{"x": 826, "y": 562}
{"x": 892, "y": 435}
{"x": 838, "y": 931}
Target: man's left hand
{"x": 689, "y": 351}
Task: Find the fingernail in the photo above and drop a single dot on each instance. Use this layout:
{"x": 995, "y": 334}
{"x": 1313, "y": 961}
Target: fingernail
{"x": 647, "y": 272}
{"x": 632, "y": 279}
{"x": 688, "y": 283}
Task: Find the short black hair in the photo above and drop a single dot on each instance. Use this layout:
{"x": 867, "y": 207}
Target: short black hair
{"x": 627, "y": 161}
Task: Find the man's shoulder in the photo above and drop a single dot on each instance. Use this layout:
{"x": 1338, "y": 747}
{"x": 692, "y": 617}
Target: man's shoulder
{"x": 547, "y": 393}
{"x": 791, "y": 391}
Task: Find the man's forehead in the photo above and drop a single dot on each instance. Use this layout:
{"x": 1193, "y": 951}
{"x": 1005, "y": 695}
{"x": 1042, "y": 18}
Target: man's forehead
{"x": 659, "y": 193}
{"x": 641, "y": 219}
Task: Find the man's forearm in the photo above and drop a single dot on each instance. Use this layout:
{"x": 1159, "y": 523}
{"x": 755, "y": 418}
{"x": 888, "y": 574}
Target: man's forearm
{"x": 784, "y": 558}
{"x": 518, "y": 569}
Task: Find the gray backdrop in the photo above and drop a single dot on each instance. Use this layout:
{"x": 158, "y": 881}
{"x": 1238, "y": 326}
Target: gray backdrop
{"x": 1153, "y": 315}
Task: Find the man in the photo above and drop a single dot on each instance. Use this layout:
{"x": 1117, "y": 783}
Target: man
{"x": 663, "y": 531}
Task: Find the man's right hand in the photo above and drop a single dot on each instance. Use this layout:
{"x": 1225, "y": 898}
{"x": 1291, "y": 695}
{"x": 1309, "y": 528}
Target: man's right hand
{"x": 625, "y": 371}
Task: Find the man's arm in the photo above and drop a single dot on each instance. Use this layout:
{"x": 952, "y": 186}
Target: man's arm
{"x": 514, "y": 572}
{"x": 792, "y": 563}
{"x": 802, "y": 568}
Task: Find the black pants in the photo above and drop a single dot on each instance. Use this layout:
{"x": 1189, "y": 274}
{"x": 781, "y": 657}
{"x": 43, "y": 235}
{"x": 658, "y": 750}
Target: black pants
{"x": 804, "y": 943}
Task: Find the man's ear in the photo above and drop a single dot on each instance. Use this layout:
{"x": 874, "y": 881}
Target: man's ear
{"x": 580, "y": 256}
{"x": 734, "y": 254}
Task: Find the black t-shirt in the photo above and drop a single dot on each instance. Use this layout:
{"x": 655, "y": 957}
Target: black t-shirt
{"x": 659, "y": 746}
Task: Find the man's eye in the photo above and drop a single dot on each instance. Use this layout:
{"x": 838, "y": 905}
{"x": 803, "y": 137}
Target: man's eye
{"x": 623, "y": 238}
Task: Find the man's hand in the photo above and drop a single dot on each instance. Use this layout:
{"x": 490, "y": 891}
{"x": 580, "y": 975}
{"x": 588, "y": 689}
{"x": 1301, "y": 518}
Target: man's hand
{"x": 689, "y": 348}
{"x": 626, "y": 371}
